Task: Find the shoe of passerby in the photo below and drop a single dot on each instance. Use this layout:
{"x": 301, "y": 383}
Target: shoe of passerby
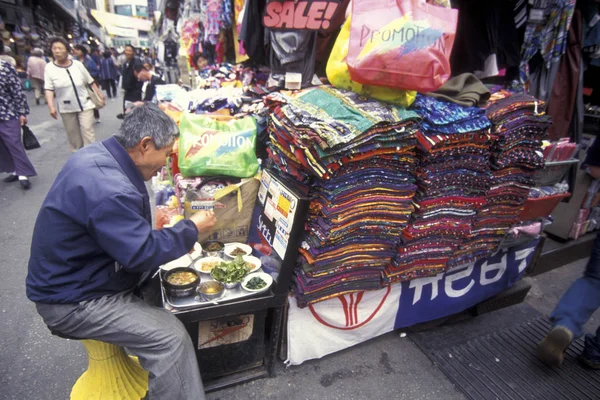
{"x": 11, "y": 178}
{"x": 120, "y": 116}
{"x": 590, "y": 358}
{"x": 37, "y": 102}
{"x": 25, "y": 184}
{"x": 98, "y": 121}
{"x": 551, "y": 350}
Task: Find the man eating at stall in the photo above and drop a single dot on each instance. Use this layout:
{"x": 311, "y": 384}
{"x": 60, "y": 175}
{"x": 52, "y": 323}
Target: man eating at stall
{"x": 94, "y": 248}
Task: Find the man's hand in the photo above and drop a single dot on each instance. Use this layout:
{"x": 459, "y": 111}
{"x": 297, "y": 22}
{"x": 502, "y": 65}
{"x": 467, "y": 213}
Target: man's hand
{"x": 53, "y": 112}
{"x": 204, "y": 220}
{"x": 23, "y": 120}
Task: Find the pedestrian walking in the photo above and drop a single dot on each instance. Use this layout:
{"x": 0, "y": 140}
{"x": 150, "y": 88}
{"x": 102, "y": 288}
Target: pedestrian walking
{"x": 132, "y": 87}
{"x": 5, "y": 56}
{"x": 81, "y": 52}
{"x": 13, "y": 115}
{"x": 67, "y": 81}
{"x": 578, "y": 303}
{"x": 109, "y": 74}
{"x": 35, "y": 71}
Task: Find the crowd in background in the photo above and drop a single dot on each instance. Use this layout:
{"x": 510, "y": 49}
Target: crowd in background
{"x": 67, "y": 94}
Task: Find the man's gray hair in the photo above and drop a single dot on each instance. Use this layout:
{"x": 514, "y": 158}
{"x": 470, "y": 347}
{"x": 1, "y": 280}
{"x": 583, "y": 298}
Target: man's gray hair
{"x": 37, "y": 52}
{"x": 147, "y": 120}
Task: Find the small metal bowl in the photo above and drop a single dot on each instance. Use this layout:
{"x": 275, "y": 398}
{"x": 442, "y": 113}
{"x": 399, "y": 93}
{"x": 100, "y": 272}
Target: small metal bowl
{"x": 231, "y": 285}
{"x": 211, "y": 290}
{"x": 212, "y": 245}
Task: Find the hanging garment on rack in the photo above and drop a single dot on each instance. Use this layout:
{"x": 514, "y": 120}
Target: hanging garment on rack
{"x": 563, "y": 97}
{"x": 486, "y": 37}
{"x": 253, "y": 33}
{"x": 293, "y": 51}
{"x": 546, "y": 33}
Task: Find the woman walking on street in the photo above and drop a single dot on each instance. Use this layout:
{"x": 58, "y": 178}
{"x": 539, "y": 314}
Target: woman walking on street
{"x": 67, "y": 80}
{"x": 109, "y": 74}
{"x": 35, "y": 72}
{"x": 13, "y": 114}
{"x": 81, "y": 52}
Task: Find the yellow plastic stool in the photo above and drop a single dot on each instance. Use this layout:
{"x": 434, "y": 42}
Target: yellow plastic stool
{"x": 111, "y": 375}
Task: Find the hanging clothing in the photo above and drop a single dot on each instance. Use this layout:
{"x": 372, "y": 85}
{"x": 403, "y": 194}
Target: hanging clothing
{"x": 546, "y": 33}
{"x": 486, "y": 37}
{"x": 564, "y": 92}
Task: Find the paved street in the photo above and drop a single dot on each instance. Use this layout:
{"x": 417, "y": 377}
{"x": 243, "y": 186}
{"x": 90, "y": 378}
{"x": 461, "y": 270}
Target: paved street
{"x": 36, "y": 365}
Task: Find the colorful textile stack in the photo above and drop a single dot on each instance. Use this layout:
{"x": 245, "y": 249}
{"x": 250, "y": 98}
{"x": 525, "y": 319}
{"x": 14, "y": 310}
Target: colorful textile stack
{"x": 519, "y": 128}
{"x": 453, "y": 177}
{"x": 360, "y": 156}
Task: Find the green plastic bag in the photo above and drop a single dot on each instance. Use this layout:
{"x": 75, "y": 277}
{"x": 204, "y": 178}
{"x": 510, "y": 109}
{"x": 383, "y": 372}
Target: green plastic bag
{"x": 212, "y": 147}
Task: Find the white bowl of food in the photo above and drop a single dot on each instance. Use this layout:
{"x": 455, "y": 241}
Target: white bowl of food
{"x": 256, "y": 263}
{"x": 257, "y": 282}
{"x": 205, "y": 265}
{"x": 237, "y": 249}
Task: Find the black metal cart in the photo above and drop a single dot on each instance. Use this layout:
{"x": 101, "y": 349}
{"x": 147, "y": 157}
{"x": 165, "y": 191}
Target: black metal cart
{"x": 237, "y": 341}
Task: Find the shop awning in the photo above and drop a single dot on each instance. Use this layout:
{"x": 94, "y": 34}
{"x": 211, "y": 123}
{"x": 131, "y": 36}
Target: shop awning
{"x": 123, "y": 32}
{"x": 123, "y": 22}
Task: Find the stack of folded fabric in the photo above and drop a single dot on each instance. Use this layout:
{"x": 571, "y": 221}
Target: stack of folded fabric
{"x": 360, "y": 157}
{"x": 453, "y": 177}
{"x": 519, "y": 127}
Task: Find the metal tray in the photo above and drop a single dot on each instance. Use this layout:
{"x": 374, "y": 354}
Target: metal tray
{"x": 182, "y": 303}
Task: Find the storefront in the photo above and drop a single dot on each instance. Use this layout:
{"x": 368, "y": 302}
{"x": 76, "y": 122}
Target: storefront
{"x": 413, "y": 180}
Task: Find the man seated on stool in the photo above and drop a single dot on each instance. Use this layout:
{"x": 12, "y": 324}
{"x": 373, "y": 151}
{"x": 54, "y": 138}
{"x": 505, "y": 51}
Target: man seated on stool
{"x": 93, "y": 247}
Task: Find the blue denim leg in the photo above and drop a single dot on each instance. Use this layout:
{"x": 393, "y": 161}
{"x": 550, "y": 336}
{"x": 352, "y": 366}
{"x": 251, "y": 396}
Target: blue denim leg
{"x": 582, "y": 298}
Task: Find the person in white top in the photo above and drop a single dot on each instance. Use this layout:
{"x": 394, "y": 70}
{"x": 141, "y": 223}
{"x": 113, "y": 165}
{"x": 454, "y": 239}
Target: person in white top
{"x": 67, "y": 81}
{"x": 36, "y": 66}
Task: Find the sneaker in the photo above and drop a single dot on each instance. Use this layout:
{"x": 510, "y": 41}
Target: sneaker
{"x": 552, "y": 348}
{"x": 120, "y": 116}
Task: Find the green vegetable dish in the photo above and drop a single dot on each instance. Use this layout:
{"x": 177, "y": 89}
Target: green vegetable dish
{"x": 256, "y": 283}
{"x": 230, "y": 272}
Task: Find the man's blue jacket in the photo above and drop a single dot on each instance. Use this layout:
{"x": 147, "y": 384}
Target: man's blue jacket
{"x": 93, "y": 236}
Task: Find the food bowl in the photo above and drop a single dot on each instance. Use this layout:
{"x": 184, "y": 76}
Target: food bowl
{"x": 211, "y": 290}
{"x": 206, "y": 264}
{"x": 251, "y": 282}
{"x": 213, "y": 248}
{"x": 254, "y": 261}
{"x": 181, "y": 282}
{"x": 231, "y": 285}
{"x": 229, "y": 273}
{"x": 233, "y": 249}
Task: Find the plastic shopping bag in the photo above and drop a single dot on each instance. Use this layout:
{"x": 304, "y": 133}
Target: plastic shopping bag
{"x": 339, "y": 76}
{"x": 211, "y": 147}
{"x": 401, "y": 44}
{"x": 30, "y": 142}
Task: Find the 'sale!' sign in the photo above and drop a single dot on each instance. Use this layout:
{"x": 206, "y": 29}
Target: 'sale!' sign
{"x": 310, "y": 15}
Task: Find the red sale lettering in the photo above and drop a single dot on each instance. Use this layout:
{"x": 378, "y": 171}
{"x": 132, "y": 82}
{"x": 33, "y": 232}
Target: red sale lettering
{"x": 301, "y": 15}
{"x": 315, "y": 15}
{"x": 272, "y": 11}
{"x": 287, "y": 15}
{"x": 299, "y": 18}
